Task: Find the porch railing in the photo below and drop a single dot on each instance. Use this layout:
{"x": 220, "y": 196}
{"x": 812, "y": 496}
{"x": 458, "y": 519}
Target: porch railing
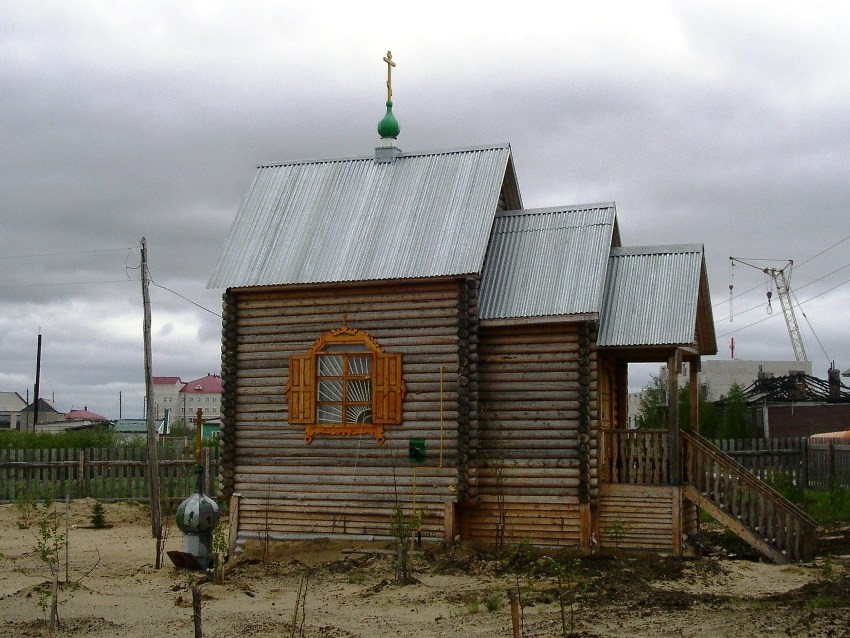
{"x": 637, "y": 456}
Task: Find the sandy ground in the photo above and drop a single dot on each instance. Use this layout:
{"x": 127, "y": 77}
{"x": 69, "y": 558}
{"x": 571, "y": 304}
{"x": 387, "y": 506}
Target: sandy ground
{"x": 457, "y": 593}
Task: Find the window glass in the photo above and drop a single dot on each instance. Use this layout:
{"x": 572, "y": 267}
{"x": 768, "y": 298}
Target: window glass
{"x": 344, "y": 384}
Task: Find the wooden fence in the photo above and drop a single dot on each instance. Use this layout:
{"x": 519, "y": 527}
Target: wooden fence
{"x": 108, "y": 474}
{"x": 806, "y": 462}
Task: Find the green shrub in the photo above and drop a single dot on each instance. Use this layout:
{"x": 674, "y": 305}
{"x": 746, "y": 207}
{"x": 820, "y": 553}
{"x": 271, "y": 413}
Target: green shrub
{"x": 98, "y": 515}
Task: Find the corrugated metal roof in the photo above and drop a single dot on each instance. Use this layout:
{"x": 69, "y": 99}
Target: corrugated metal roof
{"x": 651, "y": 296}
{"x": 546, "y": 262}
{"x": 423, "y": 215}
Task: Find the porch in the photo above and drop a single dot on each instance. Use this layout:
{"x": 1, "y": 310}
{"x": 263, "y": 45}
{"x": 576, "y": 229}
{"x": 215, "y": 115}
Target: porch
{"x": 700, "y": 476}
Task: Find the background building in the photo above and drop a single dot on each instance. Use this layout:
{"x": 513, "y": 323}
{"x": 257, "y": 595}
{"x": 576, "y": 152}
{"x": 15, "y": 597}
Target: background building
{"x": 184, "y": 398}
{"x": 11, "y": 405}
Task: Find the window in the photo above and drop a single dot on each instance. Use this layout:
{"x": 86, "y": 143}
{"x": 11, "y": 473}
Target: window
{"x": 345, "y": 384}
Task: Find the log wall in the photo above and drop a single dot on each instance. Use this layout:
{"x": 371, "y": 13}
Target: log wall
{"x": 533, "y": 390}
{"x": 343, "y": 484}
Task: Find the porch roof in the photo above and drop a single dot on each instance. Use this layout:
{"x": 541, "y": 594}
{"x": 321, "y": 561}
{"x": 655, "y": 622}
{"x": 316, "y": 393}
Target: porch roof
{"x": 657, "y": 296}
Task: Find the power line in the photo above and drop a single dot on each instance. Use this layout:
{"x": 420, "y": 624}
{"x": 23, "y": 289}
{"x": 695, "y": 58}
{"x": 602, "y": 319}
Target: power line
{"x": 66, "y": 283}
{"x": 194, "y": 303}
{"x": 65, "y": 254}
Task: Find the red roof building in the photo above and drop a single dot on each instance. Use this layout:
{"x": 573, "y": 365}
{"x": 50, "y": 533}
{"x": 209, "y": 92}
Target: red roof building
{"x": 184, "y": 398}
{"x": 84, "y": 415}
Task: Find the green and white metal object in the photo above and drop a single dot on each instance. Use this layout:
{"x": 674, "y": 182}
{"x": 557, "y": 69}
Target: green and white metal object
{"x": 197, "y": 516}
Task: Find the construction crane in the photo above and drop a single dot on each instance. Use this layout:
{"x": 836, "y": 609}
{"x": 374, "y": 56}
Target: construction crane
{"x": 782, "y": 280}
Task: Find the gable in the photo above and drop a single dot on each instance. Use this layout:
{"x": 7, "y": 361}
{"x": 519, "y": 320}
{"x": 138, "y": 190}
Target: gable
{"x": 548, "y": 261}
{"x": 422, "y": 215}
{"x": 657, "y": 296}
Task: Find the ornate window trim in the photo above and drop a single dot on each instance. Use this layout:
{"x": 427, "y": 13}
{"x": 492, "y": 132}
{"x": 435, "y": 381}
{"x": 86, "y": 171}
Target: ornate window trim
{"x": 385, "y": 373}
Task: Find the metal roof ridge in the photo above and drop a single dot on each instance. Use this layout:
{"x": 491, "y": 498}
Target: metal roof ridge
{"x": 657, "y": 249}
{"x": 402, "y": 155}
{"x": 554, "y": 209}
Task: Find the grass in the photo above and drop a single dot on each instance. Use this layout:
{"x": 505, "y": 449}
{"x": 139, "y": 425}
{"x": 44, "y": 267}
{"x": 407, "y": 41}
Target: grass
{"x": 825, "y": 506}
{"x": 823, "y": 602}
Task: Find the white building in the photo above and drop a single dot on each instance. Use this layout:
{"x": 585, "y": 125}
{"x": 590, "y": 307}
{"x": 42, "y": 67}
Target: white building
{"x": 186, "y": 397}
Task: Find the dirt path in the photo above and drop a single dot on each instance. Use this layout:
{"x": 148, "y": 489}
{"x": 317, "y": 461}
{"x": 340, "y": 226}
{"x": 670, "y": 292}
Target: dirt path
{"x": 457, "y": 593}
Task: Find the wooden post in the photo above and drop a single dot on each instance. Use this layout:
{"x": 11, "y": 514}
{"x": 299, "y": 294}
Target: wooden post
{"x": 673, "y": 365}
{"x": 693, "y": 369}
{"x": 449, "y": 524}
{"x": 677, "y": 521}
{"x": 196, "y": 611}
{"x": 153, "y": 461}
{"x": 81, "y": 481}
{"x": 830, "y": 463}
{"x": 233, "y": 524}
{"x": 514, "y": 613}
{"x": 805, "y": 469}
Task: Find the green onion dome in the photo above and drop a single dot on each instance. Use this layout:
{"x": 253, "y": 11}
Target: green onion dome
{"x": 388, "y": 127}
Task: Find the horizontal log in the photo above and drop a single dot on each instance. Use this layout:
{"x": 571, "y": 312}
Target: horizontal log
{"x": 368, "y": 320}
{"x": 332, "y": 296}
{"x": 350, "y": 482}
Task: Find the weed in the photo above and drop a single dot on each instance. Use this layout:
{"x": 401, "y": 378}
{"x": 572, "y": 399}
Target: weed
{"x": 470, "y": 600}
{"x": 827, "y": 571}
{"x": 27, "y": 509}
{"x": 565, "y": 575}
{"x": 519, "y": 557}
{"x": 494, "y": 602}
{"x": 401, "y": 529}
{"x": 615, "y": 530}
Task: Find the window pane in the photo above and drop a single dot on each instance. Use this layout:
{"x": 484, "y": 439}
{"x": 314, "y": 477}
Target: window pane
{"x": 330, "y": 365}
{"x": 345, "y": 347}
{"x": 330, "y": 413}
{"x": 359, "y": 390}
{"x": 358, "y": 414}
{"x": 359, "y": 365}
{"x": 330, "y": 390}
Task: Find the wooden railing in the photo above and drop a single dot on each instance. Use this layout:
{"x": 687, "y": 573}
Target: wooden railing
{"x": 637, "y": 456}
{"x": 747, "y": 504}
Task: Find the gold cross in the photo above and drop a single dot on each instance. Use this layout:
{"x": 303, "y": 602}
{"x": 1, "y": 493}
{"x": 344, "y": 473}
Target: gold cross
{"x": 388, "y": 58}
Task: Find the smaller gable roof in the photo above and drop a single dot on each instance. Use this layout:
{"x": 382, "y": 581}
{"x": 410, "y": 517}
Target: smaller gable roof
{"x": 44, "y": 407}
{"x": 11, "y": 402}
{"x": 548, "y": 261}
{"x": 657, "y": 296}
{"x": 85, "y": 415}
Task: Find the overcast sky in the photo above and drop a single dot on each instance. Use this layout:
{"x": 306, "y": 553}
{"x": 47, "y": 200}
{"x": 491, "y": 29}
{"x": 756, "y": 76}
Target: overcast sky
{"x": 725, "y": 123}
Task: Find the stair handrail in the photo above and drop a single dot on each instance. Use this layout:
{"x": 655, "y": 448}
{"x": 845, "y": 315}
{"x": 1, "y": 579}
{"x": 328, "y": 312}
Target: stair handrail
{"x": 707, "y": 447}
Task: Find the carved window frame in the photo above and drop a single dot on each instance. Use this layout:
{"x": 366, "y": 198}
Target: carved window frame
{"x": 385, "y": 374}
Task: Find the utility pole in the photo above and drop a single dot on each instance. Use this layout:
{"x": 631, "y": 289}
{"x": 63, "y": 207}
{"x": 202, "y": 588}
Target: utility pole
{"x": 153, "y": 460}
{"x": 37, "y": 382}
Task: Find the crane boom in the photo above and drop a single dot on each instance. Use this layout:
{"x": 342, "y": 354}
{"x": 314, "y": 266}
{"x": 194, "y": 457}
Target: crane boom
{"x": 783, "y": 289}
{"x": 782, "y": 280}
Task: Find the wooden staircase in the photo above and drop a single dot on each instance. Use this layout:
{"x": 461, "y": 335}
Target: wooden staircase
{"x": 753, "y": 510}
